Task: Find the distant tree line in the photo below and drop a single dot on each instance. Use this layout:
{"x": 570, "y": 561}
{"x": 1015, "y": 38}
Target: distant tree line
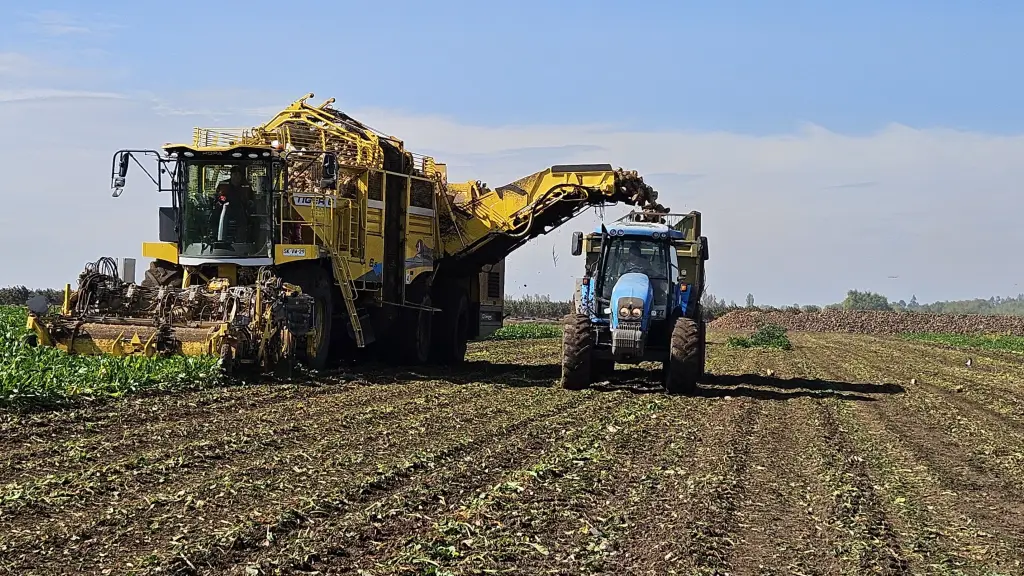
{"x": 18, "y": 295}
{"x": 542, "y": 306}
{"x": 537, "y": 306}
{"x": 867, "y": 300}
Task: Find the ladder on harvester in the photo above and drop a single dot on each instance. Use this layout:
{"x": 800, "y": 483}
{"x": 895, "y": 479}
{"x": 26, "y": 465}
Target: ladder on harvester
{"x": 344, "y": 277}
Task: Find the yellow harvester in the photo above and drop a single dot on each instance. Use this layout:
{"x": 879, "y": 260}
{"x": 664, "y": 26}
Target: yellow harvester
{"x": 312, "y": 237}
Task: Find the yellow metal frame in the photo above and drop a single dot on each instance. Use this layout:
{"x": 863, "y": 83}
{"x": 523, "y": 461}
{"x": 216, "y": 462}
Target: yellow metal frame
{"x": 166, "y": 251}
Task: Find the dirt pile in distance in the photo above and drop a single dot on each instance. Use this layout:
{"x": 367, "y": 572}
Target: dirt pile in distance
{"x": 872, "y": 322}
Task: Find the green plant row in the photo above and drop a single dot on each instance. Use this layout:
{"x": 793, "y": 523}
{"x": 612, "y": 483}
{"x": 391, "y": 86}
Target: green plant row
{"x": 527, "y": 331}
{"x": 766, "y": 336}
{"x": 45, "y": 376}
{"x": 985, "y": 341}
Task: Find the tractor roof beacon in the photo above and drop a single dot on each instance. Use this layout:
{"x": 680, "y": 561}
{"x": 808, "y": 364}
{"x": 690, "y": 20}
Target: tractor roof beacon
{"x": 638, "y": 300}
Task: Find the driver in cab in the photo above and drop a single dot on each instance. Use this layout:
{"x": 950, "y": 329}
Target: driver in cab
{"x": 636, "y": 262}
{"x": 236, "y": 190}
{"x": 235, "y": 194}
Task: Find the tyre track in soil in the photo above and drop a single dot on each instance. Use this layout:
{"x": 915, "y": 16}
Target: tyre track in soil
{"x": 999, "y": 361}
{"x": 686, "y": 506}
{"x": 273, "y": 430}
{"x": 981, "y": 441}
{"x": 96, "y": 416}
{"x": 264, "y": 497}
{"x": 261, "y": 472}
{"x": 517, "y": 524}
{"x": 254, "y": 537}
{"x": 788, "y": 518}
{"x": 993, "y": 385}
{"x": 924, "y": 480}
{"x": 163, "y": 432}
{"x": 379, "y": 522}
{"x": 558, "y": 522}
{"x": 852, "y": 522}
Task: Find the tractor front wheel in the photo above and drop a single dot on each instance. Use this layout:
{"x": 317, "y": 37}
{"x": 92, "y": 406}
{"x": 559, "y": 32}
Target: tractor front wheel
{"x": 577, "y": 347}
{"x": 683, "y": 368}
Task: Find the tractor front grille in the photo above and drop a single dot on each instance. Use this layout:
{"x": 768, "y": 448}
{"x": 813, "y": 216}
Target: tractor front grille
{"x": 628, "y": 339}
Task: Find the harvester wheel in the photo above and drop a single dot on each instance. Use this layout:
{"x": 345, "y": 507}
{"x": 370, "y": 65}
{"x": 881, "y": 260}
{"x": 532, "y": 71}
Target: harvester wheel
{"x": 162, "y": 273}
{"x": 451, "y": 330}
{"x": 314, "y": 349}
{"x": 577, "y": 345}
{"x": 226, "y": 359}
{"x": 415, "y": 333}
{"x": 683, "y": 368}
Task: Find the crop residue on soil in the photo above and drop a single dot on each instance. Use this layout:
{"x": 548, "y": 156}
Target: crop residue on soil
{"x": 834, "y": 464}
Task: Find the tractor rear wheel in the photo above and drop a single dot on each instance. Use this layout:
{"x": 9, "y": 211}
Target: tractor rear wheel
{"x": 683, "y": 368}
{"x": 577, "y": 346}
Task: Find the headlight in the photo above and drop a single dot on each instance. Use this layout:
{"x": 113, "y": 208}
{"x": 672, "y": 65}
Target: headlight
{"x": 637, "y": 312}
{"x": 623, "y": 311}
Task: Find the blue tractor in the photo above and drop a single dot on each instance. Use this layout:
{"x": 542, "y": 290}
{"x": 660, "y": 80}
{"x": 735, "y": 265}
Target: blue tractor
{"x": 639, "y": 300}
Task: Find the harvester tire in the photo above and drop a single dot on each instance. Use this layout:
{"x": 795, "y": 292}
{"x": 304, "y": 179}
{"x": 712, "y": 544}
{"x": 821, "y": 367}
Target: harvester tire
{"x": 162, "y": 273}
{"x": 683, "y": 368}
{"x": 415, "y": 326}
{"x": 316, "y": 282}
{"x": 577, "y": 347}
{"x": 451, "y": 329}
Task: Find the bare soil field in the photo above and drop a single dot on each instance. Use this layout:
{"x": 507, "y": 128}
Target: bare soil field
{"x": 831, "y": 463}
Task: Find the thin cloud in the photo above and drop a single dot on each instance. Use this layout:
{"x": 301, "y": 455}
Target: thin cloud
{"x": 14, "y": 64}
{"x": 52, "y": 94}
{"x": 61, "y": 23}
{"x": 867, "y": 184}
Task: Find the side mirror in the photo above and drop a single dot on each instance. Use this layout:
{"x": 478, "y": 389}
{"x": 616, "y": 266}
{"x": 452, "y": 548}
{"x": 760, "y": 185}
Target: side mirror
{"x": 122, "y": 170}
{"x": 329, "y": 178}
{"x": 577, "y": 243}
{"x": 704, "y": 247}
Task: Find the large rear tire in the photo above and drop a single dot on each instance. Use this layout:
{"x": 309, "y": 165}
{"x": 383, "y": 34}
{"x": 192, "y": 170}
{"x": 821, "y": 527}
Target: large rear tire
{"x": 451, "y": 328}
{"x": 415, "y": 326}
{"x": 684, "y": 364}
{"x": 577, "y": 347}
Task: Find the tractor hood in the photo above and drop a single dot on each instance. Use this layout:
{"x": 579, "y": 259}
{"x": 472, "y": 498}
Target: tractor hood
{"x": 633, "y": 291}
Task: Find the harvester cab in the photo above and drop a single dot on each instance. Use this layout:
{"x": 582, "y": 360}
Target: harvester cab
{"x": 638, "y": 300}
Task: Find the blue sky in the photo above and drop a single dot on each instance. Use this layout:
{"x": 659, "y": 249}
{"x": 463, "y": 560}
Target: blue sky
{"x": 848, "y": 134}
{"x": 752, "y": 67}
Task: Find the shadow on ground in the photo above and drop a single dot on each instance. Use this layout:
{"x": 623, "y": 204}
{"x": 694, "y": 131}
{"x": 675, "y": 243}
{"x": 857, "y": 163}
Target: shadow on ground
{"x": 634, "y": 380}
